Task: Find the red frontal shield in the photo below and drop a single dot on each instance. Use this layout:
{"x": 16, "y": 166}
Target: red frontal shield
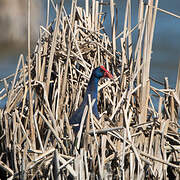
{"x": 106, "y": 72}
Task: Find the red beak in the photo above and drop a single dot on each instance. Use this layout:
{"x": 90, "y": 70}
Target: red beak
{"x": 106, "y": 72}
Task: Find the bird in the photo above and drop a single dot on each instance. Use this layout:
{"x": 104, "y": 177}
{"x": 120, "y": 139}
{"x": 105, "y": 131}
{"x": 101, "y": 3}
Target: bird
{"x": 92, "y": 89}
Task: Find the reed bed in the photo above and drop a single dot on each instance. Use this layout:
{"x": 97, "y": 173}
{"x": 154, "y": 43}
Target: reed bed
{"x": 136, "y": 136}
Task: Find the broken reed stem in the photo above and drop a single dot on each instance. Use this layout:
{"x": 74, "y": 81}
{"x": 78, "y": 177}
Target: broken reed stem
{"x": 29, "y": 74}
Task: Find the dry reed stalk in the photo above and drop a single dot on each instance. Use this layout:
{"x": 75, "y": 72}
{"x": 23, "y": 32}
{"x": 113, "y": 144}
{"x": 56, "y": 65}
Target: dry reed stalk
{"x": 6, "y": 168}
{"x": 48, "y": 9}
{"x": 29, "y": 76}
{"x": 113, "y": 28}
{"x": 164, "y": 11}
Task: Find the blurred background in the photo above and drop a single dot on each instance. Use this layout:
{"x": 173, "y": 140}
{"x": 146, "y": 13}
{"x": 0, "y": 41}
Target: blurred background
{"x": 13, "y": 33}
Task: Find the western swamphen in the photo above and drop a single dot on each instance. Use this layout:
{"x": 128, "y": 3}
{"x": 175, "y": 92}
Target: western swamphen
{"x": 76, "y": 117}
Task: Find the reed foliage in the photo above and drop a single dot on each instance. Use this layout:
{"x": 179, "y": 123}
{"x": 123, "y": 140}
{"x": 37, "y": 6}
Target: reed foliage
{"x": 135, "y": 138}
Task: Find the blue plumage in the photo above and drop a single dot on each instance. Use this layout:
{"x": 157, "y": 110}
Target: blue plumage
{"x": 76, "y": 117}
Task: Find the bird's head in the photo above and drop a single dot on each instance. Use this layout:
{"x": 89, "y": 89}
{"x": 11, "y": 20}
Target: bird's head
{"x": 101, "y": 71}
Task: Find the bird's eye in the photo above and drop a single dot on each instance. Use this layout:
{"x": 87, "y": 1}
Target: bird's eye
{"x": 102, "y": 70}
